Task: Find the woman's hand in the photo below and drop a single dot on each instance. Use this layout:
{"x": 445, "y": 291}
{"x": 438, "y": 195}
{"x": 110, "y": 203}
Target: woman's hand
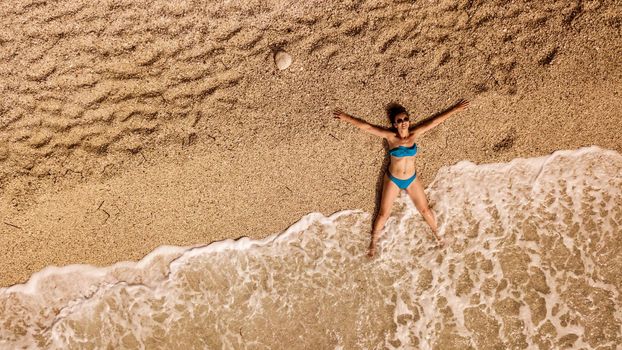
{"x": 338, "y": 114}
{"x": 461, "y": 105}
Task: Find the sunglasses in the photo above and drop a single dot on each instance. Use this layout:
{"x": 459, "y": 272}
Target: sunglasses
{"x": 399, "y": 121}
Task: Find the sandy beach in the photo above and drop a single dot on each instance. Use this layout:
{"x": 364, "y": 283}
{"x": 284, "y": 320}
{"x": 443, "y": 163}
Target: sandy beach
{"x": 126, "y": 125}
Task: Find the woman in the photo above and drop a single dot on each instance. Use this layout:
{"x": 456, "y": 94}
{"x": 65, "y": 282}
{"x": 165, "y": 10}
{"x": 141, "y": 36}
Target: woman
{"x": 401, "y": 174}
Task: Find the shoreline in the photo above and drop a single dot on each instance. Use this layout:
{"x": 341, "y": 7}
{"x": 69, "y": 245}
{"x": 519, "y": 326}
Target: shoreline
{"x": 121, "y": 270}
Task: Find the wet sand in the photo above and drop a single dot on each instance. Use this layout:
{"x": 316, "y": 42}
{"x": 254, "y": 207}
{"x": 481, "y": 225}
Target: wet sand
{"x": 126, "y": 126}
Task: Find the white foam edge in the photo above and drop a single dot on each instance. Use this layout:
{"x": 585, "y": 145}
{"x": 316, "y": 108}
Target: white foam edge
{"x": 31, "y": 287}
{"x": 96, "y": 272}
{"x": 244, "y": 243}
{"x": 465, "y": 164}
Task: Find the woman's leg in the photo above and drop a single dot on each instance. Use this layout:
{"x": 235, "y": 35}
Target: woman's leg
{"x": 390, "y": 191}
{"x": 416, "y": 193}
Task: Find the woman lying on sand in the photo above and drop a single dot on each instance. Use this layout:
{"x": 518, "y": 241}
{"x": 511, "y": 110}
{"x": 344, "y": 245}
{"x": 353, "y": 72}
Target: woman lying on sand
{"x": 401, "y": 174}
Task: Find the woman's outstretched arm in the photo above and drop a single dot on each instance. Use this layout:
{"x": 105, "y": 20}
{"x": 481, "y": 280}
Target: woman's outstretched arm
{"x": 430, "y": 124}
{"x": 361, "y": 124}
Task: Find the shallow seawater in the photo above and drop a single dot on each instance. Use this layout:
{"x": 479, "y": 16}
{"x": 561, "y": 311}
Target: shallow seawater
{"x": 534, "y": 261}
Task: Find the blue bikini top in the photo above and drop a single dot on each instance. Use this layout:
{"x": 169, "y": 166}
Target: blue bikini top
{"x": 403, "y": 151}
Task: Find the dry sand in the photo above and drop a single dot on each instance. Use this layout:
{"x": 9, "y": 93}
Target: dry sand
{"x": 127, "y": 125}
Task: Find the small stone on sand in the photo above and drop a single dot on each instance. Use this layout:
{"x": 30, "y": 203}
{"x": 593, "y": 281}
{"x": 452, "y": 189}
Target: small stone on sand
{"x": 282, "y": 60}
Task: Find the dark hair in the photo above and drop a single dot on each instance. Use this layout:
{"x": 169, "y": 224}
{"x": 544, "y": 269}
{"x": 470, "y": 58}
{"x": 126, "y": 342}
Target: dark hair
{"x": 394, "y": 109}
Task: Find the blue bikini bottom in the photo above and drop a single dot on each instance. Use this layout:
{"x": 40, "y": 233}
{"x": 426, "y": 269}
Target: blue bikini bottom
{"x": 402, "y": 183}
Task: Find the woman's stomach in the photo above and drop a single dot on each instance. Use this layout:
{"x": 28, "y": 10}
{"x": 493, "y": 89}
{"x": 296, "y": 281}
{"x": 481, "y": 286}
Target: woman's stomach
{"x": 402, "y": 167}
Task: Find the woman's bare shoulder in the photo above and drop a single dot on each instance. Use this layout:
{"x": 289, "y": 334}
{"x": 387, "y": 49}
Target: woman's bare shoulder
{"x": 392, "y": 140}
{"x": 413, "y": 136}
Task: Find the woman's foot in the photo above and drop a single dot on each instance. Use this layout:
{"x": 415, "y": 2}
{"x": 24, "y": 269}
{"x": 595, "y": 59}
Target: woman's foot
{"x": 435, "y": 233}
{"x": 372, "y": 245}
{"x": 434, "y": 227}
{"x": 440, "y": 240}
{"x": 445, "y": 240}
{"x": 372, "y": 250}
